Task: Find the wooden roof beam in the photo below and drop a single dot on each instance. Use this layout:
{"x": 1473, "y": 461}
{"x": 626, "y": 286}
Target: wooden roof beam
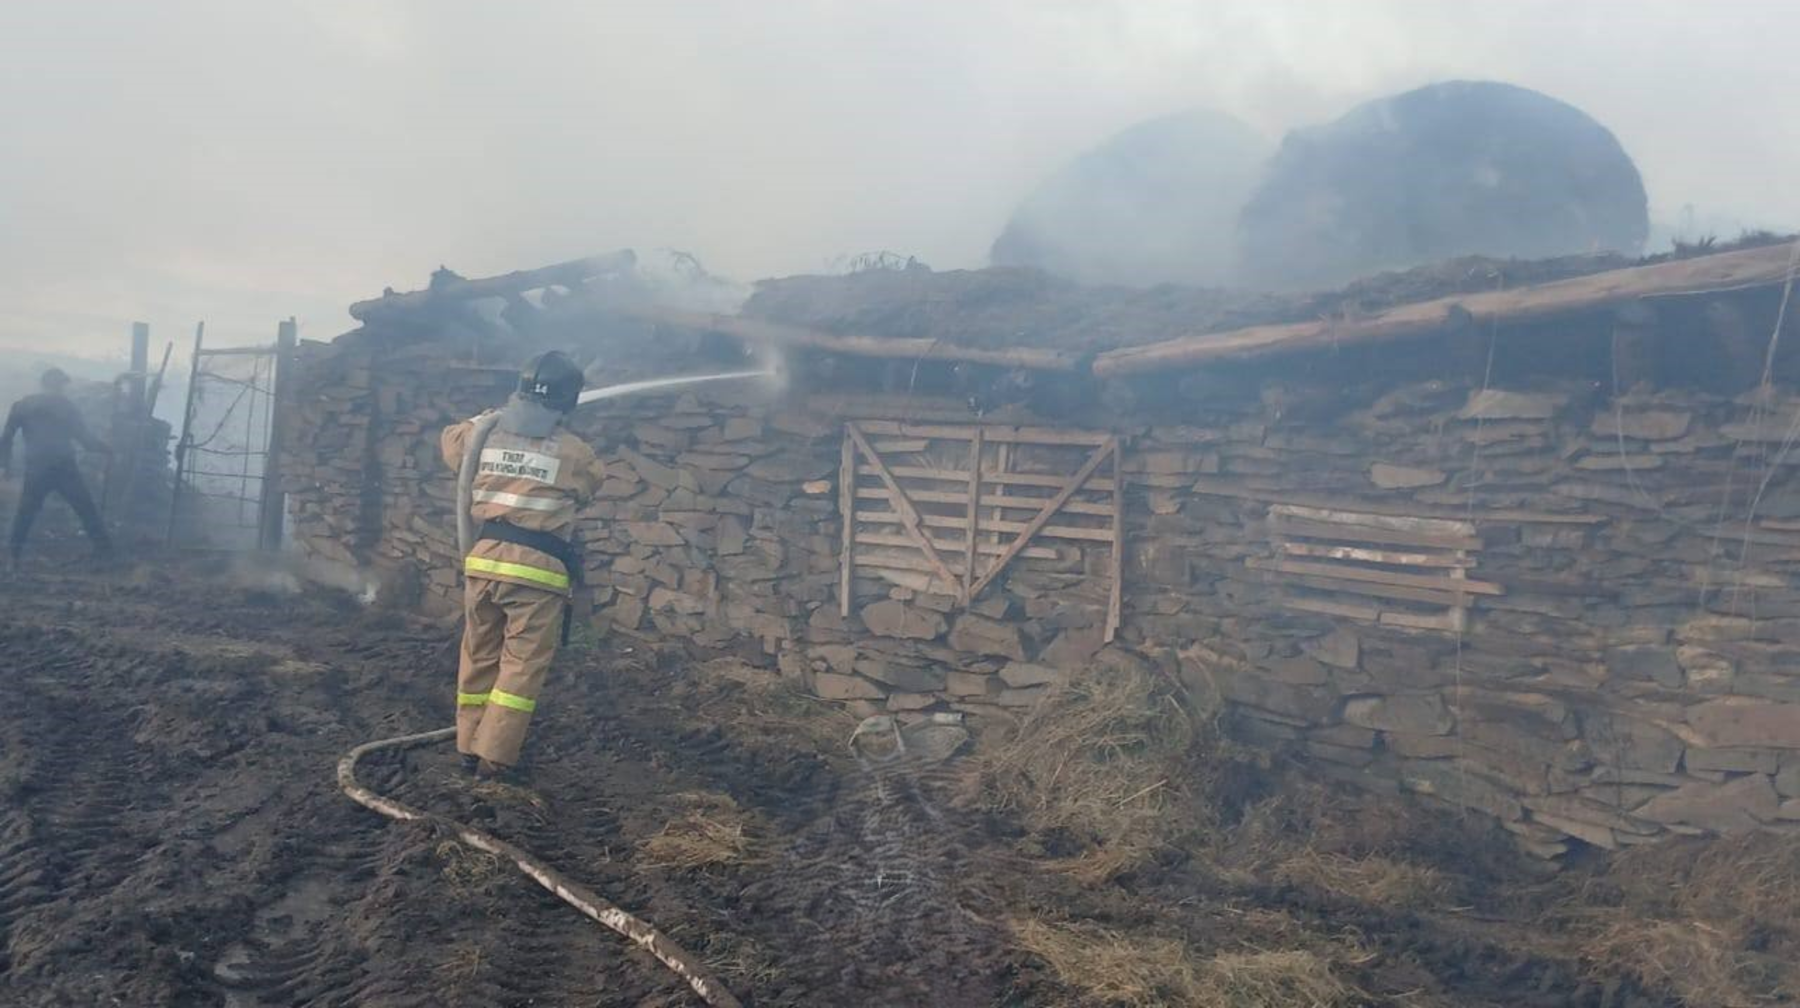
{"x": 1755, "y": 267}
{"x": 566, "y": 274}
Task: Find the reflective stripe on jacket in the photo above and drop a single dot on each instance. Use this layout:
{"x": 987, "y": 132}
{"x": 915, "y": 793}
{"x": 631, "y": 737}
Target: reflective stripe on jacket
{"x": 533, "y": 483}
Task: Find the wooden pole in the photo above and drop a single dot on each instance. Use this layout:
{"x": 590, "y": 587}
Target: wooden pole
{"x": 847, "y": 506}
{"x": 1726, "y": 271}
{"x": 128, "y": 480}
{"x": 273, "y": 502}
{"x": 974, "y": 528}
{"x": 567, "y": 274}
{"x": 140, "y": 364}
{"x": 1115, "y": 606}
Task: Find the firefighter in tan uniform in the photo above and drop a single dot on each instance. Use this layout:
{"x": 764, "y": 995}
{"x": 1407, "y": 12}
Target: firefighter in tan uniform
{"x": 533, "y": 475}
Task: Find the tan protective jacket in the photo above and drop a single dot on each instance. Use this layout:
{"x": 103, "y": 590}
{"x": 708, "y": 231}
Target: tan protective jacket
{"x": 534, "y": 483}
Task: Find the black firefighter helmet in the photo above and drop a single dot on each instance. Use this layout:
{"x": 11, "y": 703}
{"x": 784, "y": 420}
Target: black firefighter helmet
{"x": 552, "y": 379}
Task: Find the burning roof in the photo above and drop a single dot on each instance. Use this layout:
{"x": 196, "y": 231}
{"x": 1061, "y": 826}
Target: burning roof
{"x": 1026, "y": 318}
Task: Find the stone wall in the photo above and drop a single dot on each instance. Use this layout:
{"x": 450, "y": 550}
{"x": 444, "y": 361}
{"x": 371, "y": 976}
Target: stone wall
{"x": 1633, "y": 676}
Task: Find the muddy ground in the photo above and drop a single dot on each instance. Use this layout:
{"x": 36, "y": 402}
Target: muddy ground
{"x": 171, "y": 834}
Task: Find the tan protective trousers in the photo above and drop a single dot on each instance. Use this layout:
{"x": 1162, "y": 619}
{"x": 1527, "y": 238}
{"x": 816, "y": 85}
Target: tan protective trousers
{"x": 510, "y": 635}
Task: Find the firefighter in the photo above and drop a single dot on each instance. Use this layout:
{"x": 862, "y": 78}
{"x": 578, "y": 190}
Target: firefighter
{"x": 53, "y": 427}
{"x": 532, "y": 476}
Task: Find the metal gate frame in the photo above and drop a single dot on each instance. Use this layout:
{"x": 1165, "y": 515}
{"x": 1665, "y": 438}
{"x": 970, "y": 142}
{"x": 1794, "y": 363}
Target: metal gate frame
{"x": 275, "y": 396}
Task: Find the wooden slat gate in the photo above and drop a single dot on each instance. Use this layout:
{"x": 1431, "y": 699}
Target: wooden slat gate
{"x": 947, "y": 508}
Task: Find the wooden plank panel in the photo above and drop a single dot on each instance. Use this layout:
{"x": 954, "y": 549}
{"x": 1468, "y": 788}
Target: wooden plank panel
{"x": 899, "y": 447}
{"x": 1372, "y": 576}
{"x": 1224, "y": 486}
{"x": 956, "y": 546}
{"x": 1005, "y": 502}
{"x": 997, "y": 434}
{"x": 847, "y": 508}
{"x": 954, "y": 522}
{"x": 1362, "y": 519}
{"x": 1422, "y": 595}
{"x": 1456, "y": 559}
{"x": 1450, "y": 620}
{"x": 973, "y": 532}
{"x": 1315, "y": 530}
{"x": 1007, "y": 478}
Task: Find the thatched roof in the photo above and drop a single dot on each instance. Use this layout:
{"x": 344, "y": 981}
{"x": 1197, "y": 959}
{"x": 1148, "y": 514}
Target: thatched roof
{"x": 1024, "y": 318}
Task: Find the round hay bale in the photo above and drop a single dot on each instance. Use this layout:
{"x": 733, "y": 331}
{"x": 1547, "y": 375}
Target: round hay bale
{"x": 1153, "y": 204}
{"x": 1454, "y": 169}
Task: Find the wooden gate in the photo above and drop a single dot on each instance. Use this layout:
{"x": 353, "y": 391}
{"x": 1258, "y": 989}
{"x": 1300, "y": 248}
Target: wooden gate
{"x": 946, "y": 509}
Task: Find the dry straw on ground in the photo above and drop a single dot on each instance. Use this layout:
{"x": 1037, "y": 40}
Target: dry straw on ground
{"x": 710, "y": 834}
{"x": 1109, "y": 968}
{"x": 1100, "y": 763}
{"x": 1715, "y": 922}
{"x": 1372, "y": 878}
{"x": 466, "y": 868}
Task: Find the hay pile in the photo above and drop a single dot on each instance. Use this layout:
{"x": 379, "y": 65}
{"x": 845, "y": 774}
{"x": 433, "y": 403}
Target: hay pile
{"x": 465, "y": 868}
{"x": 709, "y": 834}
{"x": 1110, "y": 968}
{"x": 1099, "y": 770}
{"x": 1717, "y": 923}
{"x": 1386, "y": 854}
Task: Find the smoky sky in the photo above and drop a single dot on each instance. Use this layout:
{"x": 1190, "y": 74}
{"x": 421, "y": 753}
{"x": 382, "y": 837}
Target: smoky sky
{"x": 240, "y": 161}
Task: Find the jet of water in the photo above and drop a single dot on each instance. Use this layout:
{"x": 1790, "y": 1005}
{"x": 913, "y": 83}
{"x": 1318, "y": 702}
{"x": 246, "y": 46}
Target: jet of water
{"x": 653, "y": 384}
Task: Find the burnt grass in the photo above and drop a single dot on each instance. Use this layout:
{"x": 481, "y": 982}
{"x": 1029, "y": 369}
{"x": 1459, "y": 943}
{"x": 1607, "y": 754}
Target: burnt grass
{"x": 171, "y": 834}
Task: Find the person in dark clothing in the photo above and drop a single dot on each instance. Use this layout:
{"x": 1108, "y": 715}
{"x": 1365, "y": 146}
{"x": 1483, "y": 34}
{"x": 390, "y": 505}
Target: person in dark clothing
{"x": 53, "y": 428}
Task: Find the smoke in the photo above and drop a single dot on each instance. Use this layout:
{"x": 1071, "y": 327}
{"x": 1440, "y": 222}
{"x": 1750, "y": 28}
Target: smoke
{"x": 242, "y": 162}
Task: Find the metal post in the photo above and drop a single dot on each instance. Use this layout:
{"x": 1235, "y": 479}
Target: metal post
{"x": 274, "y": 502}
{"x": 187, "y": 432}
{"x": 128, "y": 434}
{"x": 140, "y": 365}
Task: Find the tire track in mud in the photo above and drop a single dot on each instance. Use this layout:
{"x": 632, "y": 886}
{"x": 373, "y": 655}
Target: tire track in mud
{"x": 171, "y": 833}
{"x": 887, "y": 877}
{"x": 879, "y": 891}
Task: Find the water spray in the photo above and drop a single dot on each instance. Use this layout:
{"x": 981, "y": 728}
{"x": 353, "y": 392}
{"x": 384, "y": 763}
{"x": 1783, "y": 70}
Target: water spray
{"x": 680, "y": 381}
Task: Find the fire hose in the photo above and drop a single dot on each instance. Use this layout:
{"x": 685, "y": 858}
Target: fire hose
{"x": 590, "y": 903}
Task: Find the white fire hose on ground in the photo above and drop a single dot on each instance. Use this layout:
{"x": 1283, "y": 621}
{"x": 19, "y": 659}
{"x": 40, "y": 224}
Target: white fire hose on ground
{"x": 590, "y": 903}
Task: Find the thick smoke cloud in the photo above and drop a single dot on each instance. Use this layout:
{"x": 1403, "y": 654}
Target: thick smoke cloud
{"x": 1157, "y": 203}
{"x": 245, "y": 161}
{"x": 1453, "y": 169}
